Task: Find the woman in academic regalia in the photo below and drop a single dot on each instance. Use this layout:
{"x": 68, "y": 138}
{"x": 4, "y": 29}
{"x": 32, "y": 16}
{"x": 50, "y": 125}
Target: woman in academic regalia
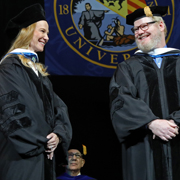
{"x": 33, "y": 119}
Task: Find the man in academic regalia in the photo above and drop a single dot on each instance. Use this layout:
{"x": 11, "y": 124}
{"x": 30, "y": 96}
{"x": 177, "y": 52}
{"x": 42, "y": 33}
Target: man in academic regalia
{"x": 75, "y": 162}
{"x": 145, "y": 101}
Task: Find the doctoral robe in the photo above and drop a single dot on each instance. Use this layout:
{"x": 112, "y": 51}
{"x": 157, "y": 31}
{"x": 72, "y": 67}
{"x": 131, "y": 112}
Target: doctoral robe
{"x": 29, "y": 111}
{"x": 139, "y": 93}
{"x": 66, "y": 176}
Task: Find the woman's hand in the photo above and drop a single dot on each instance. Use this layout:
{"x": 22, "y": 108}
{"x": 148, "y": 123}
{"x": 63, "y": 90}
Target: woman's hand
{"x": 52, "y": 144}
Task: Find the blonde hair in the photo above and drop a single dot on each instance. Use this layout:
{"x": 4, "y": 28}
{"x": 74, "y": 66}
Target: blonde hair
{"x": 159, "y": 18}
{"x": 23, "y": 40}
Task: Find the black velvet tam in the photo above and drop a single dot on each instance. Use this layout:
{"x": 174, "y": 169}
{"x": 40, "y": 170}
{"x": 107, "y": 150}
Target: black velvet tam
{"x": 75, "y": 144}
{"x": 25, "y": 18}
{"x": 139, "y": 13}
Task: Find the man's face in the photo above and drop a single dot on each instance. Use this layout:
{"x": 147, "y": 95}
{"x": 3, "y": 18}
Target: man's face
{"x": 151, "y": 38}
{"x": 75, "y": 160}
{"x": 88, "y": 7}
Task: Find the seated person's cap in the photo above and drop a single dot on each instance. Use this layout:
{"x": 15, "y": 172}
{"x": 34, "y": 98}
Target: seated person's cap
{"x": 146, "y": 12}
{"x": 77, "y": 145}
{"x": 25, "y": 18}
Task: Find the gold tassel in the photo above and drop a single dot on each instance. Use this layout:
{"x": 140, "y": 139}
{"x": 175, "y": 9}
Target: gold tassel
{"x": 84, "y": 149}
{"x": 147, "y": 11}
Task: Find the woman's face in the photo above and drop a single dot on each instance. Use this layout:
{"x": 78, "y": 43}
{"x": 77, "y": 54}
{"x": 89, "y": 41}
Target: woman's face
{"x": 40, "y": 37}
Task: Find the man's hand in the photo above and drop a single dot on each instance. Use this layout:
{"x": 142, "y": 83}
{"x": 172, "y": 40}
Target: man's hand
{"x": 164, "y": 129}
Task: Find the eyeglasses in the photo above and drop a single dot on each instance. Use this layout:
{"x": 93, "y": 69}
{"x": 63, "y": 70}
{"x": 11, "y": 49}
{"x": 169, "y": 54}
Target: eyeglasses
{"x": 143, "y": 27}
{"x": 78, "y": 156}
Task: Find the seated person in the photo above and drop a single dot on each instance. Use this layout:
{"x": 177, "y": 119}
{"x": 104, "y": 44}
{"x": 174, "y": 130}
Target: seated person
{"x": 75, "y": 163}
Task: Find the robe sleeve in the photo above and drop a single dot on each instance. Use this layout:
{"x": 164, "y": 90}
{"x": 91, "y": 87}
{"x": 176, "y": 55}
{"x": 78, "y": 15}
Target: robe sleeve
{"x": 62, "y": 123}
{"x": 175, "y": 116}
{"x": 21, "y": 119}
{"x": 99, "y": 14}
{"x": 129, "y": 113}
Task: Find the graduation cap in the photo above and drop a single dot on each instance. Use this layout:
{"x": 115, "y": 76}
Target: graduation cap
{"x": 25, "y": 18}
{"x": 79, "y": 146}
{"x": 146, "y": 12}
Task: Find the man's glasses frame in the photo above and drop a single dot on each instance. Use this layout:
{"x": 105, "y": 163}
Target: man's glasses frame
{"x": 71, "y": 155}
{"x": 144, "y": 27}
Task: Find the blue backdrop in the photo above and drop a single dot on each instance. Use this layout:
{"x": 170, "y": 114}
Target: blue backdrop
{"x": 69, "y": 50}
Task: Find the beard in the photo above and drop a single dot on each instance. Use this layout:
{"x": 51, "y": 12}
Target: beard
{"x": 152, "y": 44}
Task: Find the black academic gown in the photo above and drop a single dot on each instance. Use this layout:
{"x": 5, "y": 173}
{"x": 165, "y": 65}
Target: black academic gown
{"x": 140, "y": 93}
{"x": 29, "y": 111}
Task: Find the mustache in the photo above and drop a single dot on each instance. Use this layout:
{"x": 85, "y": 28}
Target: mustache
{"x": 142, "y": 35}
{"x": 72, "y": 160}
